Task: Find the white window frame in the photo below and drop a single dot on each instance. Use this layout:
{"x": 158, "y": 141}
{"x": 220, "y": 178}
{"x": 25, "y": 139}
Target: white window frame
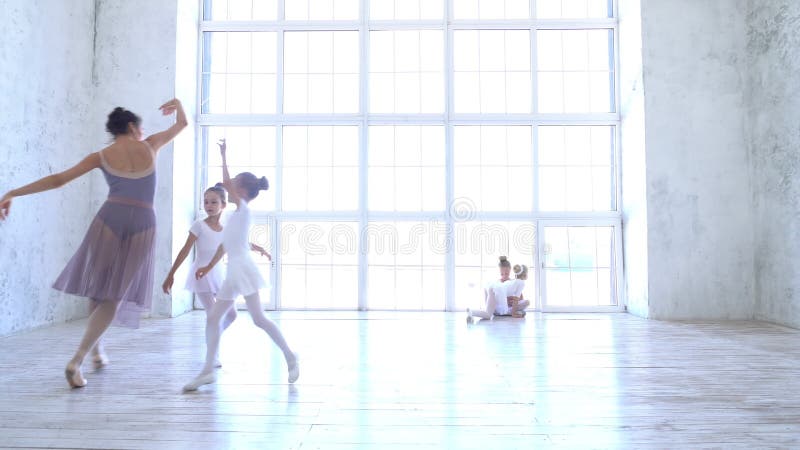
{"x": 616, "y": 268}
{"x": 448, "y": 119}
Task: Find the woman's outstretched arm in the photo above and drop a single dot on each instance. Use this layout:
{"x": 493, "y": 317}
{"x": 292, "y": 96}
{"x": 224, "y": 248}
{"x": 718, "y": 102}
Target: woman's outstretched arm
{"x": 49, "y": 182}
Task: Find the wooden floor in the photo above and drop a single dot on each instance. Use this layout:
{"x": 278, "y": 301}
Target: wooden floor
{"x": 403, "y": 380}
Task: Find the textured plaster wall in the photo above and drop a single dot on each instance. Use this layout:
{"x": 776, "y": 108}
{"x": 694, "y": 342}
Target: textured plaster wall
{"x": 700, "y": 251}
{"x": 134, "y": 67}
{"x": 774, "y": 120}
{"x": 66, "y": 65}
{"x": 45, "y": 104}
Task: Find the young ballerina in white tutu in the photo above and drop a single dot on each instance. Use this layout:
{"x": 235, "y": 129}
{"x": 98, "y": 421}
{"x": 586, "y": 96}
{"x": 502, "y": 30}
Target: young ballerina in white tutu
{"x": 206, "y": 236}
{"x": 242, "y": 278}
{"x": 504, "y": 296}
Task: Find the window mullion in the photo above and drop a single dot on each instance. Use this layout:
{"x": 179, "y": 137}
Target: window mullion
{"x": 363, "y": 244}
{"x": 450, "y": 302}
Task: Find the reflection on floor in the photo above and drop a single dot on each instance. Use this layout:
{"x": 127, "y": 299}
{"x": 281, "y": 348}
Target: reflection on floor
{"x": 393, "y": 380}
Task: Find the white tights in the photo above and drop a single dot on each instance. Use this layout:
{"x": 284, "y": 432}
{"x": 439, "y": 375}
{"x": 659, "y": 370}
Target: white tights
{"x": 491, "y": 299}
{"x": 214, "y": 328}
{"x": 207, "y": 300}
{"x": 491, "y": 303}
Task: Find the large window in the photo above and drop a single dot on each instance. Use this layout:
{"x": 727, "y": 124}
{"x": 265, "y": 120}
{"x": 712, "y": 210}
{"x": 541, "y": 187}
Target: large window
{"x": 409, "y": 143}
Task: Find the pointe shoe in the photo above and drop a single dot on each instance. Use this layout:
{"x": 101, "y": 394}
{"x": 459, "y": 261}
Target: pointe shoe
{"x": 217, "y": 364}
{"x": 100, "y": 360}
{"x": 203, "y": 378}
{"x": 294, "y": 370}
{"x": 74, "y": 377}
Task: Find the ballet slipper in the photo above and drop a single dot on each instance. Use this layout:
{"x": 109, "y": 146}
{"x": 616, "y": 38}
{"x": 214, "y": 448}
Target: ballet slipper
{"x": 294, "y": 369}
{"x": 100, "y": 360}
{"x": 203, "y": 378}
{"x": 74, "y": 377}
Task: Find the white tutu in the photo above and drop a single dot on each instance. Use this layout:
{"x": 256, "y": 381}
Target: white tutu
{"x": 242, "y": 278}
{"x": 501, "y": 309}
{"x": 209, "y": 283}
{"x": 503, "y": 290}
{"x": 207, "y": 242}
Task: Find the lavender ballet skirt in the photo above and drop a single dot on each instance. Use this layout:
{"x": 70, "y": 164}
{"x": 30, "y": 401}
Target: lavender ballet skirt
{"x": 115, "y": 261}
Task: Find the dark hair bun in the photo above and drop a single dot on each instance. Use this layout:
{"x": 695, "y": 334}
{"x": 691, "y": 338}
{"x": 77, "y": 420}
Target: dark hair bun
{"x": 503, "y": 258}
{"x": 263, "y": 183}
{"x": 119, "y": 119}
{"x": 219, "y": 185}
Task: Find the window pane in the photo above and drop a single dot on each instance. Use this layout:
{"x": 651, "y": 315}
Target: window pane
{"x": 406, "y": 9}
{"x": 241, "y": 10}
{"x": 401, "y": 274}
{"x": 400, "y": 178}
{"x": 319, "y": 262}
{"x": 492, "y": 71}
{"x": 574, "y": 9}
{"x": 239, "y": 73}
{"x": 577, "y": 144}
{"x": 576, "y": 168}
{"x": 484, "y": 172}
{"x": 552, "y": 189}
{"x": 318, "y": 64}
{"x": 407, "y": 74}
{"x": 559, "y": 287}
{"x": 321, "y": 9}
{"x": 578, "y": 262}
{"x": 320, "y": 168}
{"x": 381, "y": 188}
{"x": 491, "y": 9}
{"x": 575, "y": 71}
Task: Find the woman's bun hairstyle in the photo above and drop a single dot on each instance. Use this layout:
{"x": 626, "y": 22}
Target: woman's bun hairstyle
{"x": 119, "y": 119}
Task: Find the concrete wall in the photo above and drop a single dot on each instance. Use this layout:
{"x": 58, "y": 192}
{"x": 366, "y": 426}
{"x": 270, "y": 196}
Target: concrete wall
{"x": 66, "y": 65}
{"x": 700, "y": 225}
{"x": 774, "y": 120}
{"x": 135, "y": 67}
{"x": 721, "y": 139}
{"x": 45, "y": 106}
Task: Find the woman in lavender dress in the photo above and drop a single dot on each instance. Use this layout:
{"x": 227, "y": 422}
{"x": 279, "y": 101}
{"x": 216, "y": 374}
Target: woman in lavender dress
{"x": 114, "y": 265}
